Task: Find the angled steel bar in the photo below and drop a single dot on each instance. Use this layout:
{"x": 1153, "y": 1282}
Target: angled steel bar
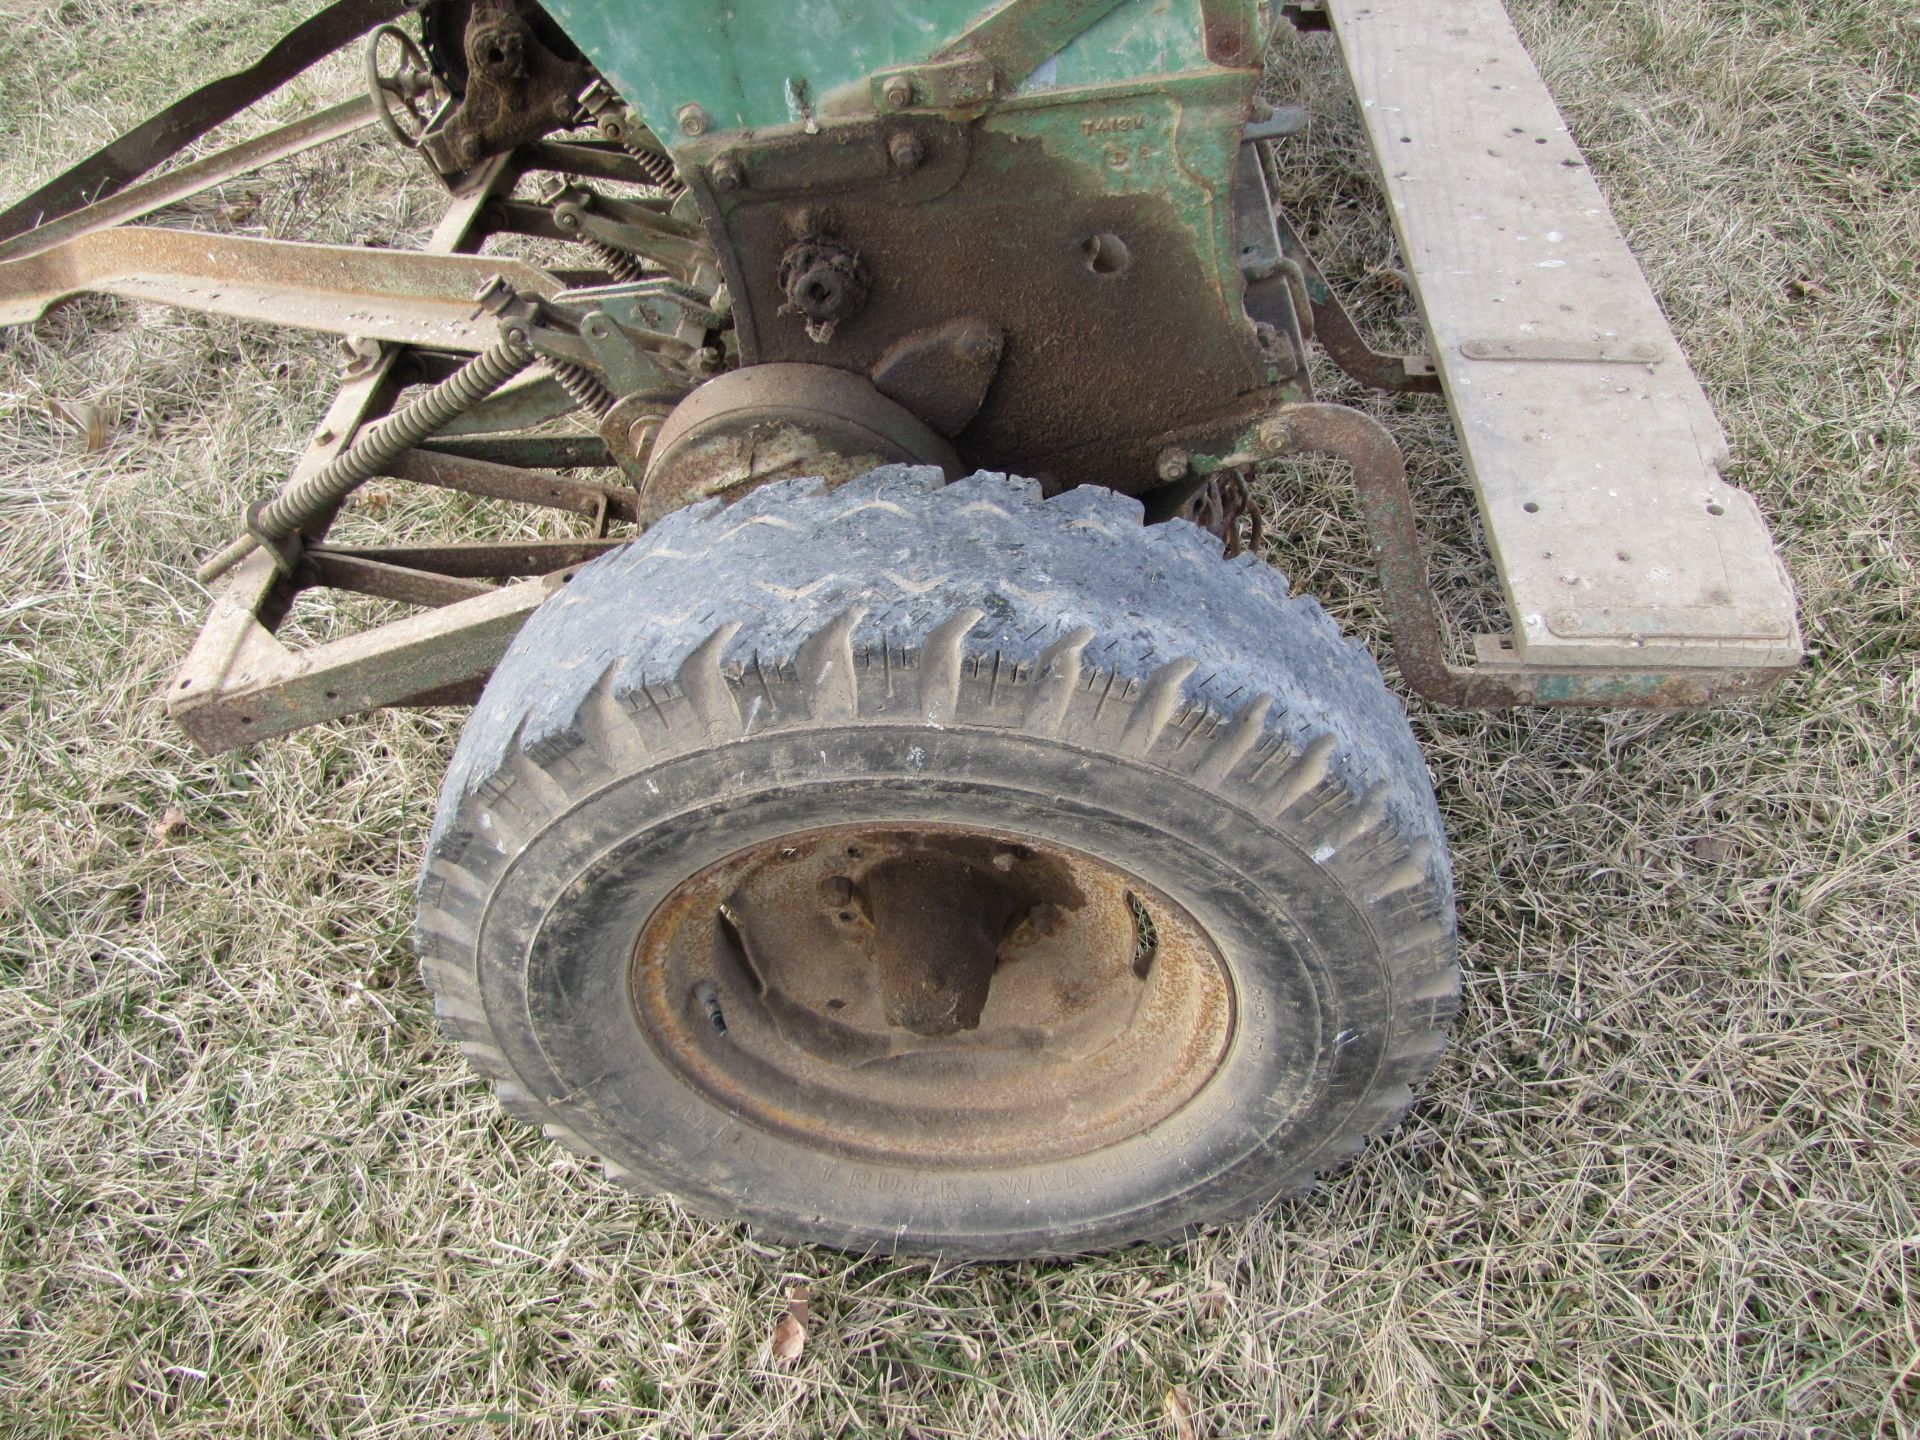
{"x": 185, "y": 121}
{"x": 273, "y": 690}
{"x": 485, "y": 559}
{"x": 320, "y": 128}
{"x": 343, "y": 570}
{"x": 399, "y": 295}
{"x": 511, "y": 482}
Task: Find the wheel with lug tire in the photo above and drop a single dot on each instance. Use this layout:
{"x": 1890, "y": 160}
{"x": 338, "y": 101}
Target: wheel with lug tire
{"x": 942, "y": 869}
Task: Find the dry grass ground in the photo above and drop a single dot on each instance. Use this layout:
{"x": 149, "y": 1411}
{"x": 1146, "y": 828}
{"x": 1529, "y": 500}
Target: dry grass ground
{"x": 1665, "y": 1184}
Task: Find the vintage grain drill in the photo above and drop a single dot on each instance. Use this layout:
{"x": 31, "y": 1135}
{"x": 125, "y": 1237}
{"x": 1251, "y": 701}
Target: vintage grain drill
{"x": 885, "y": 815}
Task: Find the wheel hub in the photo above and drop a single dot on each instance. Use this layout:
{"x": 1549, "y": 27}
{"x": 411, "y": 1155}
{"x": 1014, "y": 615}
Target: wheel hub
{"x": 932, "y": 995}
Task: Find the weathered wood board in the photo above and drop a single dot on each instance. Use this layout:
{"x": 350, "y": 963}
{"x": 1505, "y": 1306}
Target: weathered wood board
{"x": 1594, "y": 450}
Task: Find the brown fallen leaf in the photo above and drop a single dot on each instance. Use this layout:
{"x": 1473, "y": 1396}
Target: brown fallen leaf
{"x": 790, "y": 1335}
{"x": 1180, "y": 1412}
{"x": 93, "y": 422}
{"x": 168, "y": 825}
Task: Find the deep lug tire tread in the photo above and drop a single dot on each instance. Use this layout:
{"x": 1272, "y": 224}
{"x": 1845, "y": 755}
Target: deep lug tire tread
{"x": 777, "y": 659}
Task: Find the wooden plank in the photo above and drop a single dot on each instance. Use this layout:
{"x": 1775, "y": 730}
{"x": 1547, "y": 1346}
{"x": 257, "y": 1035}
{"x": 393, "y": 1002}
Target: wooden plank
{"x": 1594, "y": 450}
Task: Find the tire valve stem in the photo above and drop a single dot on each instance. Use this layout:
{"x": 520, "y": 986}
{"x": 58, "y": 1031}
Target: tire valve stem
{"x": 709, "y": 997}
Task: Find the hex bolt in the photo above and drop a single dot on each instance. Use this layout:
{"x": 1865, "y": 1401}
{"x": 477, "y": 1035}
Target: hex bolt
{"x": 906, "y": 150}
{"x": 1275, "y": 436}
{"x": 1175, "y": 464}
{"x": 897, "y": 92}
{"x": 836, "y": 890}
{"x": 726, "y": 173}
{"x": 693, "y": 120}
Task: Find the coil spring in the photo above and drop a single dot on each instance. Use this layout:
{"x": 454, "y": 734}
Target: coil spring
{"x": 659, "y": 168}
{"x": 617, "y": 262}
{"x": 583, "y": 385}
{"x": 377, "y": 446}
{"x": 618, "y": 127}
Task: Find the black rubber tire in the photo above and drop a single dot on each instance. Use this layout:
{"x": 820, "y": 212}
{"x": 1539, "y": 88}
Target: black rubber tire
{"x": 972, "y": 654}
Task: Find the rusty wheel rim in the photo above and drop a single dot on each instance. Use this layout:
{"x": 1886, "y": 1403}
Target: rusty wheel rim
{"x": 933, "y": 996}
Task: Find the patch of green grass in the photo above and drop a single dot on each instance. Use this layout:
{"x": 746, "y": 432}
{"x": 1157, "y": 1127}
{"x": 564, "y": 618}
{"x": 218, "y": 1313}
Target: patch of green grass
{"x": 1665, "y": 1184}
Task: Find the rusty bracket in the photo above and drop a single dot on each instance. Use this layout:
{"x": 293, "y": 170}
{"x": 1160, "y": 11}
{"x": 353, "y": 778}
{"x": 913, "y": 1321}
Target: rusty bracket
{"x": 958, "y": 83}
{"x": 1336, "y": 333}
{"x": 1407, "y": 600}
{"x": 638, "y": 228}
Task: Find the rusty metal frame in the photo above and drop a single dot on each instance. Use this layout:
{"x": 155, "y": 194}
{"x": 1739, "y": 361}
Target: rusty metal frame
{"x": 241, "y": 683}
